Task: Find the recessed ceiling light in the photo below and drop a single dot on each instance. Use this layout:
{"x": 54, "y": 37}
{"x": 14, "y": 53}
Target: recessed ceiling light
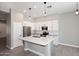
{"x": 34, "y": 6}
{"x": 24, "y": 10}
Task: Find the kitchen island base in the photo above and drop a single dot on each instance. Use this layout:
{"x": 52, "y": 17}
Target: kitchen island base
{"x": 47, "y": 50}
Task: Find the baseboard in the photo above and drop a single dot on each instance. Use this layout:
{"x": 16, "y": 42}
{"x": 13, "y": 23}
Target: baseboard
{"x": 16, "y": 46}
{"x": 69, "y": 45}
{"x": 9, "y": 47}
{"x": 12, "y": 47}
{"x": 40, "y": 54}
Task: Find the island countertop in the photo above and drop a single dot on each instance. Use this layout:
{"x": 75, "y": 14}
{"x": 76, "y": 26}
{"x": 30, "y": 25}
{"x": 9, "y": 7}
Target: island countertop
{"x": 39, "y": 40}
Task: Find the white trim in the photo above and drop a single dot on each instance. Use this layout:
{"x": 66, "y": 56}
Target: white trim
{"x": 10, "y": 47}
{"x": 69, "y": 45}
{"x": 40, "y": 54}
{"x": 26, "y": 49}
{"x": 7, "y": 46}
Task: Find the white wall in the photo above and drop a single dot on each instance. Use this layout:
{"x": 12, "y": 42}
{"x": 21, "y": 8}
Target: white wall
{"x": 69, "y": 29}
{"x": 16, "y": 28}
{"x": 8, "y": 30}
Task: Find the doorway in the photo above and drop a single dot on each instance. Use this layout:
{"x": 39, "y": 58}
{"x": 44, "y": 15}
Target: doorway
{"x": 4, "y": 16}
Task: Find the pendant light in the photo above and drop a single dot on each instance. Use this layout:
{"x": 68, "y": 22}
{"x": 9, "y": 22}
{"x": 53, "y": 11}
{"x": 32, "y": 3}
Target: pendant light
{"x": 45, "y": 8}
{"x": 77, "y": 11}
{"x": 29, "y": 13}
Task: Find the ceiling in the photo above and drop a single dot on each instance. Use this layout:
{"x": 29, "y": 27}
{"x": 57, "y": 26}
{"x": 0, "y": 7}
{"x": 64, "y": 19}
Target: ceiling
{"x": 57, "y": 7}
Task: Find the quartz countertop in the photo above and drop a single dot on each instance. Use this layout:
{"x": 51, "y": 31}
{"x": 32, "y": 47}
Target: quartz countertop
{"x": 39, "y": 40}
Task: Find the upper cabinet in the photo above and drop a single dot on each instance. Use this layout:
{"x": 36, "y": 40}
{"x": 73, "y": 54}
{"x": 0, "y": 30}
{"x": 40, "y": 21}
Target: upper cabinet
{"x": 3, "y": 16}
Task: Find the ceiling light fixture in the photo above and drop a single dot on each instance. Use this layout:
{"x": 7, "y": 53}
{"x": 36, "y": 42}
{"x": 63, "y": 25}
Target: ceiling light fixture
{"x": 77, "y": 11}
{"x": 45, "y": 8}
{"x": 29, "y": 13}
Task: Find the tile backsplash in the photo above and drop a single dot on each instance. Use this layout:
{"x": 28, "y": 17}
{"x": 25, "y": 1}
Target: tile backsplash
{"x": 38, "y": 32}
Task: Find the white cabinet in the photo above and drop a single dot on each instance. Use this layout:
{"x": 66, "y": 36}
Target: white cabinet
{"x": 17, "y": 32}
{"x": 52, "y": 25}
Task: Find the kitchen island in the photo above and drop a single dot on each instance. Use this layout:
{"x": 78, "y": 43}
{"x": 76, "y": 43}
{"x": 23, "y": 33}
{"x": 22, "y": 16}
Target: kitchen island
{"x": 40, "y": 45}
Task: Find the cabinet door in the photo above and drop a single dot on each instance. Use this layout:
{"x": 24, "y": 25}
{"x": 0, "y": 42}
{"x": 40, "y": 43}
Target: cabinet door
{"x": 17, "y": 32}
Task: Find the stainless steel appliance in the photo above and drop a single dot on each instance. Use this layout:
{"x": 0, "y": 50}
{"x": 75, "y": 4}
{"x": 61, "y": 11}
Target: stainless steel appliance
{"x": 26, "y": 31}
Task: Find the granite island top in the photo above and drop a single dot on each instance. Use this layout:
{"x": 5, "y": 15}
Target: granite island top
{"x": 39, "y": 40}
